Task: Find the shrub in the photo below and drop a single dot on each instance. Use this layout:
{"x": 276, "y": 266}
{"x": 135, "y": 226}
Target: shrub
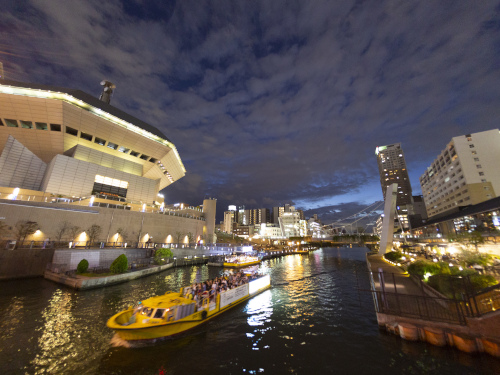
{"x": 421, "y": 267}
{"x": 479, "y": 282}
{"x": 393, "y": 256}
{"x": 162, "y": 254}
{"x": 82, "y": 266}
{"x": 119, "y": 265}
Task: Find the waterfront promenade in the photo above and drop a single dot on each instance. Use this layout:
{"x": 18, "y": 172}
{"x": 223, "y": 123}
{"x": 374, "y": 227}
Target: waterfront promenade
{"x": 409, "y": 308}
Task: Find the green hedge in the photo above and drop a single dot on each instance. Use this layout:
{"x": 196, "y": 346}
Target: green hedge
{"x": 119, "y": 265}
{"x": 82, "y": 266}
{"x": 393, "y": 256}
{"x": 421, "y": 267}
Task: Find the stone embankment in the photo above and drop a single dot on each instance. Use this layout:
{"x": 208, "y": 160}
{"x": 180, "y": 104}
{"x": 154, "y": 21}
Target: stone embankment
{"x": 83, "y": 283}
{"x": 470, "y": 334}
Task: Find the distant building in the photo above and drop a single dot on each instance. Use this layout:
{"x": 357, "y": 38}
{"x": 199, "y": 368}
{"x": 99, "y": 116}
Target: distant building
{"x": 465, "y": 173}
{"x": 268, "y": 231}
{"x": 229, "y": 219}
{"x": 392, "y": 169}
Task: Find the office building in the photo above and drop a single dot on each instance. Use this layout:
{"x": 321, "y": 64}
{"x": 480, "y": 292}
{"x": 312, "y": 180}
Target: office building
{"x": 392, "y": 169}
{"x": 465, "y": 173}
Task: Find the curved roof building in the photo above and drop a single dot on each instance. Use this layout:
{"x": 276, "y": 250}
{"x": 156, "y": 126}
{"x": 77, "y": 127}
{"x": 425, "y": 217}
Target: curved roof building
{"x": 64, "y": 141}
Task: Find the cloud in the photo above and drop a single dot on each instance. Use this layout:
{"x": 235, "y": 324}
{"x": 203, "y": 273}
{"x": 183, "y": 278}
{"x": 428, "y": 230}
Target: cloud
{"x": 274, "y": 102}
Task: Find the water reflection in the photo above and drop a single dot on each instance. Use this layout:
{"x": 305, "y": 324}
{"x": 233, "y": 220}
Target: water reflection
{"x": 260, "y": 309}
{"x": 11, "y": 318}
{"x": 55, "y": 344}
{"x": 311, "y": 321}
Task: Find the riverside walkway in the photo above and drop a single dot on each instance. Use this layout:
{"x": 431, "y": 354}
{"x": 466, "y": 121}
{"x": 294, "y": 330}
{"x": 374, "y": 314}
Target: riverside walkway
{"x": 411, "y": 309}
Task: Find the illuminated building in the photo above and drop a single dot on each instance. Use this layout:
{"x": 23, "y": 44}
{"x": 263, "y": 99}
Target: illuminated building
{"x": 392, "y": 169}
{"x": 66, "y": 142}
{"x": 464, "y": 174}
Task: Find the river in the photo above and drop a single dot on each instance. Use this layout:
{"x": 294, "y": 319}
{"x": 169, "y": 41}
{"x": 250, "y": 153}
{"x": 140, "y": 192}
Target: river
{"x": 313, "y": 320}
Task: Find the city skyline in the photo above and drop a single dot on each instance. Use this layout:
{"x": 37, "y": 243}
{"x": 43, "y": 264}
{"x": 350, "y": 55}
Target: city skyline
{"x": 275, "y": 103}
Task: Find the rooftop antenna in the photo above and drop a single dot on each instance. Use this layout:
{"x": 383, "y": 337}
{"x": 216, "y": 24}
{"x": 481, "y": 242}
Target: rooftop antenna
{"x": 107, "y": 91}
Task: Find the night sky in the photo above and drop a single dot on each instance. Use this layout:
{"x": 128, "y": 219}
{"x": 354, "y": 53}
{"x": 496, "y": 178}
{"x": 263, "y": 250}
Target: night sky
{"x": 273, "y": 102}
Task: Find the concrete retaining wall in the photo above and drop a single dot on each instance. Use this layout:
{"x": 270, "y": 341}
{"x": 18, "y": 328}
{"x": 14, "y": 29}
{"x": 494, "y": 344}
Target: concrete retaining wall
{"x": 96, "y": 257}
{"x": 85, "y": 283}
{"x": 24, "y": 263}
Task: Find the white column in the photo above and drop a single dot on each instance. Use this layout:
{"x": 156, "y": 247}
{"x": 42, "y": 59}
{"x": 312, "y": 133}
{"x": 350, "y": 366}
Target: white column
{"x": 387, "y": 235}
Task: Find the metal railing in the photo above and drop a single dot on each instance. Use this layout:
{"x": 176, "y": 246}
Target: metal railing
{"x": 391, "y": 297}
{"x": 420, "y": 307}
{"x": 121, "y": 205}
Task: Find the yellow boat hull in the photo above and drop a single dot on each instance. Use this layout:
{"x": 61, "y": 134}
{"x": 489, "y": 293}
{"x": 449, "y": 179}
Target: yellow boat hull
{"x": 159, "y": 328}
{"x": 241, "y": 265}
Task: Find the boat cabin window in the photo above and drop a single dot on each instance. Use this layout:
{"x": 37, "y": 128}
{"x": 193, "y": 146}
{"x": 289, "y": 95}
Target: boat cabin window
{"x": 159, "y": 313}
{"x": 147, "y": 311}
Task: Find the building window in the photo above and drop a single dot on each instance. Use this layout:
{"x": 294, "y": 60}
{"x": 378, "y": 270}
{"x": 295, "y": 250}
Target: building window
{"x": 123, "y": 149}
{"x": 481, "y": 173}
{"x": 41, "y": 126}
{"x": 135, "y": 153}
{"x": 71, "y": 131}
{"x": 471, "y": 145}
{"x": 99, "y": 141}
{"x": 110, "y": 186}
{"x": 26, "y": 124}
{"x": 11, "y": 123}
{"x": 153, "y": 160}
{"x": 55, "y": 127}
{"x": 474, "y": 152}
{"x": 86, "y": 136}
{"x": 476, "y": 159}
{"x": 113, "y": 146}
{"x": 144, "y": 157}
{"x": 478, "y": 166}
{"x": 483, "y": 180}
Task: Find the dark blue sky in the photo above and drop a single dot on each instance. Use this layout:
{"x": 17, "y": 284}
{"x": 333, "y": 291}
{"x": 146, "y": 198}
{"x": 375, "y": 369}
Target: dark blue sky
{"x": 273, "y": 102}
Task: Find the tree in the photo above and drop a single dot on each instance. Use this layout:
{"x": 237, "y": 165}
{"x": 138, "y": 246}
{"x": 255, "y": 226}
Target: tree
{"x": 178, "y": 236}
{"x": 119, "y": 265}
{"x": 25, "y": 228}
{"x": 123, "y": 234}
{"x": 73, "y": 231}
{"x": 468, "y": 239}
{"x": 190, "y": 237}
{"x": 82, "y": 266}
{"x": 4, "y": 228}
{"x": 93, "y": 232}
{"x": 62, "y": 230}
{"x": 162, "y": 254}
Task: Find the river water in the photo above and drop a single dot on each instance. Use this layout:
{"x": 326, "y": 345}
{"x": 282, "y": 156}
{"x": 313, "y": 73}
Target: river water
{"x": 312, "y": 321}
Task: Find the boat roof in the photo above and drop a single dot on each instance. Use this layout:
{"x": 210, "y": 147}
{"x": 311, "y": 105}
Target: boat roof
{"x": 167, "y": 300}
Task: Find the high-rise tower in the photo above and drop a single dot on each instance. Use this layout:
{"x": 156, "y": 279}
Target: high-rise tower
{"x": 392, "y": 169}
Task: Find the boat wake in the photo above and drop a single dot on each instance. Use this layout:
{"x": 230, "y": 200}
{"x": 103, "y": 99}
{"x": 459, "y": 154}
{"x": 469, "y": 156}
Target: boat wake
{"x": 116, "y": 342}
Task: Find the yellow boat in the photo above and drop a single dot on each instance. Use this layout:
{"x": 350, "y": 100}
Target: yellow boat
{"x": 172, "y": 314}
{"x": 301, "y": 251}
{"x": 238, "y": 262}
